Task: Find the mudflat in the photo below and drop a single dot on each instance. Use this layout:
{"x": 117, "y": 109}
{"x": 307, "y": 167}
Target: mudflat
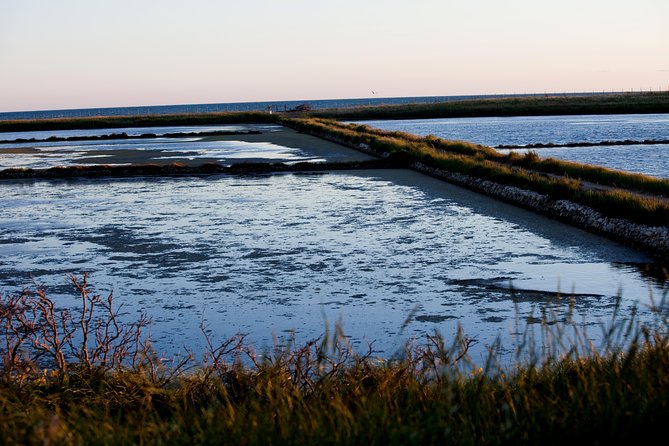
{"x": 277, "y": 145}
{"x": 314, "y": 146}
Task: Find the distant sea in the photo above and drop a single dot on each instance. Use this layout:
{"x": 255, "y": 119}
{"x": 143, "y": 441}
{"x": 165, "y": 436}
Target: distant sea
{"x": 249, "y": 106}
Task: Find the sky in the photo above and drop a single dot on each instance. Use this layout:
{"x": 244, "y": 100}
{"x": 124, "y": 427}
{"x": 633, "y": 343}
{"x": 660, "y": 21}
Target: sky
{"x": 60, "y": 54}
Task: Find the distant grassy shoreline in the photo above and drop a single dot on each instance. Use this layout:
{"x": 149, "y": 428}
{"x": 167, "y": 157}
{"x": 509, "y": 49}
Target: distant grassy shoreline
{"x": 628, "y": 103}
{"x": 632, "y": 103}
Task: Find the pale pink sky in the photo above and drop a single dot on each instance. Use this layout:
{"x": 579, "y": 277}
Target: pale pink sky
{"x": 73, "y": 54}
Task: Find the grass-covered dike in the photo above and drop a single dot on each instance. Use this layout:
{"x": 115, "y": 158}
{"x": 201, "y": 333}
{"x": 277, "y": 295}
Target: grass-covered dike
{"x": 83, "y": 377}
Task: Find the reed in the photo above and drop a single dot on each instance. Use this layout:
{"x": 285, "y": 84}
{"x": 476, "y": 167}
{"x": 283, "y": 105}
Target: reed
{"x": 322, "y": 391}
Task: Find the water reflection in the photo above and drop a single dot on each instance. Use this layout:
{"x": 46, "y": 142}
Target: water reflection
{"x": 522, "y": 130}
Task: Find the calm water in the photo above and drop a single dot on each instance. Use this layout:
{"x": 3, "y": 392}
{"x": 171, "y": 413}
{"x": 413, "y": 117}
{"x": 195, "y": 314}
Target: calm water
{"x": 647, "y": 159}
{"x": 522, "y": 130}
{"x": 279, "y": 254}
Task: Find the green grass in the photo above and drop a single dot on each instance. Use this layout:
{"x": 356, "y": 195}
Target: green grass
{"x": 322, "y": 392}
{"x": 637, "y": 198}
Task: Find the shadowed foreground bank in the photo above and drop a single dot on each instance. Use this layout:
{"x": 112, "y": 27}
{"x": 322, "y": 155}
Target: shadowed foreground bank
{"x": 85, "y": 378}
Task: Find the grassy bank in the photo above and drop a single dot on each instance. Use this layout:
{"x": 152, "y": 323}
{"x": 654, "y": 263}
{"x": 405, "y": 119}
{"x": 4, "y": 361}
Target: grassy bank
{"x": 656, "y": 102}
{"x": 635, "y": 197}
{"x": 101, "y": 122}
{"x": 85, "y": 378}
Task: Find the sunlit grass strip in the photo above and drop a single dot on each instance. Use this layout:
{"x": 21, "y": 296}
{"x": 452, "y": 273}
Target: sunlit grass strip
{"x": 322, "y": 392}
{"x": 459, "y": 147}
{"x": 521, "y": 171}
{"x": 592, "y": 173}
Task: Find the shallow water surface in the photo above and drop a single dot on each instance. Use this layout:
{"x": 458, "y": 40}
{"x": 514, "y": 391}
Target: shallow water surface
{"x": 282, "y": 254}
{"x": 43, "y": 155}
{"x": 522, "y": 130}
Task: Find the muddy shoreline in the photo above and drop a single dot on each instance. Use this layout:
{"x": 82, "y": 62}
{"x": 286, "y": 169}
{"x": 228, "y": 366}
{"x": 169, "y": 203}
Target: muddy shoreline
{"x": 550, "y": 145}
{"x": 180, "y": 169}
{"x": 283, "y": 144}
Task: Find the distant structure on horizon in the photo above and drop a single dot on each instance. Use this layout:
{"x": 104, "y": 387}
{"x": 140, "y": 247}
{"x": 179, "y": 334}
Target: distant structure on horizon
{"x": 300, "y": 108}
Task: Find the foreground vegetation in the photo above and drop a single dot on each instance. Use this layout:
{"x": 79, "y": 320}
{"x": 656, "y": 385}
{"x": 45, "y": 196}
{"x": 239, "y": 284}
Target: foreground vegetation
{"x": 83, "y": 377}
{"x": 638, "y": 198}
